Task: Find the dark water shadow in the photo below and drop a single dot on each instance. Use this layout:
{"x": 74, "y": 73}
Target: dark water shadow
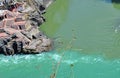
{"x": 116, "y": 1}
{"x": 116, "y": 4}
{"x": 112, "y": 1}
{"x": 107, "y": 1}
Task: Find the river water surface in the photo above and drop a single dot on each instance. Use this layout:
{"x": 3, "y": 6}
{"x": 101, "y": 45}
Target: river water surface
{"x": 86, "y": 36}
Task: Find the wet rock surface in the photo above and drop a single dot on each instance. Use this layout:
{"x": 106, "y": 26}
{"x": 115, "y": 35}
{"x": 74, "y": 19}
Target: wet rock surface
{"x": 19, "y": 27}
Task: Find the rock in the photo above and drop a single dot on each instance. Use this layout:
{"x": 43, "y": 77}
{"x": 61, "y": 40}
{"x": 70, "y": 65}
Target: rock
{"x": 33, "y": 46}
{"x": 36, "y": 19}
{"x": 13, "y": 36}
{"x": 42, "y": 7}
{"x": 27, "y": 34}
{"x": 19, "y": 47}
{"x": 2, "y": 47}
{"x": 39, "y": 35}
{"x": 3, "y": 50}
{"x": 10, "y": 51}
{"x": 14, "y": 46}
{"x": 23, "y": 36}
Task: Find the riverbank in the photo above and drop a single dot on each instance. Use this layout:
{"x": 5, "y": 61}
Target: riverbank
{"x": 94, "y": 54}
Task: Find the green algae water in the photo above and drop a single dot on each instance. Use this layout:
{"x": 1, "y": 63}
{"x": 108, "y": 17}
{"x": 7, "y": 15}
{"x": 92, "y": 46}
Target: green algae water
{"x": 86, "y": 35}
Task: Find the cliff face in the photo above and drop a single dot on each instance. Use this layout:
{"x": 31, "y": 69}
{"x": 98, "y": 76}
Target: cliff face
{"x": 19, "y": 27}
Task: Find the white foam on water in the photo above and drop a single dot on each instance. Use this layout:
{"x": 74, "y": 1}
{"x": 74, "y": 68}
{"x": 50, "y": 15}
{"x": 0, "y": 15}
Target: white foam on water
{"x": 17, "y": 59}
{"x": 56, "y": 57}
{"x": 28, "y": 57}
{"x": 5, "y": 60}
{"x": 84, "y": 59}
{"x": 70, "y": 61}
{"x": 91, "y": 59}
{"x": 117, "y": 61}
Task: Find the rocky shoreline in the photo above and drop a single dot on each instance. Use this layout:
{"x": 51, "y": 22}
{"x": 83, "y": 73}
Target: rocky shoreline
{"x": 19, "y": 27}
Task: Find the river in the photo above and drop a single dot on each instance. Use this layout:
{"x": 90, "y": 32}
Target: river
{"x": 86, "y": 35}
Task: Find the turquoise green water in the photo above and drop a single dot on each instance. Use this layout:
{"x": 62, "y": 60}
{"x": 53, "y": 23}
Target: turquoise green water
{"x": 87, "y": 40}
{"x": 72, "y": 65}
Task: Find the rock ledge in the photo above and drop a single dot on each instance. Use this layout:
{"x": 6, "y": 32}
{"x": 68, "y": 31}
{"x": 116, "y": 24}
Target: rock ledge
{"x": 19, "y": 27}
